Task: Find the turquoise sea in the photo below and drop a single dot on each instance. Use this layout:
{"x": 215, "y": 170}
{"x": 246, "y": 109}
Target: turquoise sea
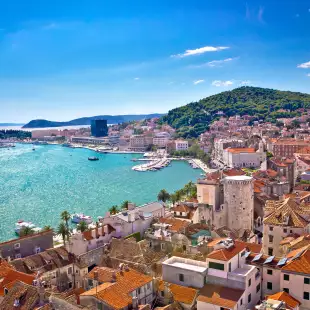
{"x": 38, "y": 185}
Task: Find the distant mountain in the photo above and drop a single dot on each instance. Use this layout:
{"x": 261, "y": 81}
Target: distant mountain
{"x": 267, "y": 104}
{"x": 111, "y": 119}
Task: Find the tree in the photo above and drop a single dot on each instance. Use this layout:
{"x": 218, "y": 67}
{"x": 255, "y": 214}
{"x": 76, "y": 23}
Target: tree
{"x": 26, "y": 231}
{"x": 65, "y": 216}
{"x": 113, "y": 210}
{"x": 124, "y": 205}
{"x": 173, "y": 198}
{"x": 63, "y": 231}
{"x": 163, "y": 196}
{"x": 47, "y": 227}
{"x": 82, "y": 226}
{"x": 295, "y": 123}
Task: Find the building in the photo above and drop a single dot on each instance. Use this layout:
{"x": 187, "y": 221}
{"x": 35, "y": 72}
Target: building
{"x": 221, "y": 144}
{"x": 27, "y": 245}
{"x": 99, "y": 128}
{"x": 280, "y": 301}
{"x": 82, "y": 242}
{"x": 134, "y": 220}
{"x": 237, "y": 212}
{"x": 181, "y": 145}
{"x": 55, "y": 267}
{"x": 121, "y": 289}
{"x": 244, "y": 157}
{"x": 110, "y": 140}
{"x": 287, "y": 147}
{"x": 137, "y": 143}
{"x": 161, "y": 139}
{"x": 185, "y": 272}
{"x": 283, "y": 218}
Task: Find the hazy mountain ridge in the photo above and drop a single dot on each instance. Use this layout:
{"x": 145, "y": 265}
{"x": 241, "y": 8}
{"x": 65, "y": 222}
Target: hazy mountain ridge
{"x": 112, "y": 119}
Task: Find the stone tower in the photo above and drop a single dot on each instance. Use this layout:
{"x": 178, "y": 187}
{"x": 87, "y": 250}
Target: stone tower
{"x": 239, "y": 202}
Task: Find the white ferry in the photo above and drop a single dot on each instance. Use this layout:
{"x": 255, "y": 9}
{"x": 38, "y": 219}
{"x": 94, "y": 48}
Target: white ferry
{"x": 21, "y": 224}
{"x": 77, "y": 218}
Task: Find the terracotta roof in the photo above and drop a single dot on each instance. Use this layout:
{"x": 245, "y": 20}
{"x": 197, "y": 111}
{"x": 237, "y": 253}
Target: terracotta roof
{"x": 304, "y": 150}
{"x": 98, "y": 231}
{"x": 300, "y": 242}
{"x": 280, "y": 211}
{"x": 177, "y": 225}
{"x": 214, "y": 242}
{"x": 181, "y": 208}
{"x": 287, "y": 298}
{"x": 118, "y": 295}
{"x": 183, "y": 294}
{"x": 253, "y": 247}
{"x": 299, "y": 265}
{"x": 227, "y": 254}
{"x": 233, "y": 172}
{"x": 224, "y": 297}
{"x": 241, "y": 150}
{"x": 105, "y": 274}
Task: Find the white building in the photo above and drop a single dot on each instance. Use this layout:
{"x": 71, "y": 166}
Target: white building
{"x": 135, "y": 219}
{"x": 181, "y": 145}
{"x": 244, "y": 157}
{"x": 161, "y": 139}
{"x": 96, "y": 141}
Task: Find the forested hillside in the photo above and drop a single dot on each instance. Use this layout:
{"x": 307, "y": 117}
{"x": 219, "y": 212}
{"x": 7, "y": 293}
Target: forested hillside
{"x": 263, "y": 103}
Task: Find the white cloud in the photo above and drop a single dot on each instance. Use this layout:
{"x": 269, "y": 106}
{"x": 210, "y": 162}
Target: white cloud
{"x": 136, "y": 78}
{"x": 245, "y": 83}
{"x": 308, "y": 74}
{"x": 305, "y": 65}
{"x": 201, "y": 50}
{"x": 219, "y": 83}
{"x": 297, "y": 15}
{"x": 50, "y": 26}
{"x": 198, "y": 82}
{"x": 215, "y": 63}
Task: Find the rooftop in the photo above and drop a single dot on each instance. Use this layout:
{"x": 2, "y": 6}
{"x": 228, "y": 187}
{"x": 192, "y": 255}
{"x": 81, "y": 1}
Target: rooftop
{"x": 239, "y": 178}
{"x": 287, "y": 298}
{"x": 187, "y": 264}
{"x": 226, "y": 254}
{"x": 241, "y": 150}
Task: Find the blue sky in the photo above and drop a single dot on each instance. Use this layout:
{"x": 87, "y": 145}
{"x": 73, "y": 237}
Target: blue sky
{"x": 61, "y": 60}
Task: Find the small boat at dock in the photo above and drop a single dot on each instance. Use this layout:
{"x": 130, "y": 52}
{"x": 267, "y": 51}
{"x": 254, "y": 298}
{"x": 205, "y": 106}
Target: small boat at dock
{"x": 21, "y": 225}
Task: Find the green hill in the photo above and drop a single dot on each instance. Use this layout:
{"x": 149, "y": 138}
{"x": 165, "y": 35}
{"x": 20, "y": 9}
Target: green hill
{"x": 194, "y": 118}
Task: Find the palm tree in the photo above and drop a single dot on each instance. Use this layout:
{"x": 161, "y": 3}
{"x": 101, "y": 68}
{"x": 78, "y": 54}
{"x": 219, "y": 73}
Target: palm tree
{"x": 82, "y": 226}
{"x": 173, "y": 198}
{"x": 65, "y": 216}
{"x": 26, "y": 231}
{"x": 63, "y": 231}
{"x": 124, "y": 205}
{"x": 113, "y": 210}
{"x": 163, "y": 196}
{"x": 179, "y": 194}
{"x": 47, "y": 227}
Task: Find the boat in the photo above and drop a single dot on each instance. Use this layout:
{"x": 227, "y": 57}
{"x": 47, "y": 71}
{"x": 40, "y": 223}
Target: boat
{"x": 80, "y": 217}
{"x": 93, "y": 158}
{"x": 21, "y": 224}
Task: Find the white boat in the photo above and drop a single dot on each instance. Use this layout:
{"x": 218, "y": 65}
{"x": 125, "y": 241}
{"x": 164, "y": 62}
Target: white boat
{"x": 80, "y": 217}
{"x": 21, "y": 224}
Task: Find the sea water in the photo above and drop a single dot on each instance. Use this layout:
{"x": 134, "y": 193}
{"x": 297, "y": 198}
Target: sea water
{"x": 38, "y": 185}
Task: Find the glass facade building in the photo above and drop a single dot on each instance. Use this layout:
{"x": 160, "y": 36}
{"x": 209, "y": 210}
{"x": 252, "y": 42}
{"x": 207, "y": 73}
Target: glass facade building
{"x": 99, "y": 128}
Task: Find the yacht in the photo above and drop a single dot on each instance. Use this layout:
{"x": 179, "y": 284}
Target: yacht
{"x": 93, "y": 158}
{"x": 21, "y": 224}
{"x": 80, "y": 217}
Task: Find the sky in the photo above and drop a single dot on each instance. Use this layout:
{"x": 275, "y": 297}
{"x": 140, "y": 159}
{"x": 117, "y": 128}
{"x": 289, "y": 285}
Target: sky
{"x": 61, "y": 60}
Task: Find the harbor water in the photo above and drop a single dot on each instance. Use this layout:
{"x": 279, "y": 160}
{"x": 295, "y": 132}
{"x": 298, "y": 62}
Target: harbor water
{"x": 38, "y": 185}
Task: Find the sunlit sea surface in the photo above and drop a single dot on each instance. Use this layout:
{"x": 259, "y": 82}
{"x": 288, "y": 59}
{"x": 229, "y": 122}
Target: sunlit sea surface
{"x": 38, "y": 185}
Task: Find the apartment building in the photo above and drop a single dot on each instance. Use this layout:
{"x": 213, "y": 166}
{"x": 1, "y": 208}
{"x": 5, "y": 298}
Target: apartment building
{"x": 287, "y": 147}
{"x": 181, "y": 145}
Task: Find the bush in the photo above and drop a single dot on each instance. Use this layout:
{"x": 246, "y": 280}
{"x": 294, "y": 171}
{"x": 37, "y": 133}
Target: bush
{"x": 135, "y": 235}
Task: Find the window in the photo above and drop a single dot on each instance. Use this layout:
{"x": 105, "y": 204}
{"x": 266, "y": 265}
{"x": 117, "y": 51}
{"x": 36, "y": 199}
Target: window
{"x": 269, "y": 286}
{"x": 249, "y": 283}
{"x": 181, "y": 277}
{"x": 269, "y": 271}
{"x": 18, "y": 256}
{"x": 229, "y": 267}
{"x": 90, "y": 282}
{"x": 243, "y": 253}
{"x": 17, "y": 246}
{"x": 139, "y": 291}
{"x": 291, "y": 231}
{"x": 162, "y": 246}
{"x": 286, "y": 290}
{"x": 6, "y": 291}
{"x": 284, "y": 230}
{"x": 249, "y": 298}
{"x": 77, "y": 271}
{"x": 241, "y": 302}
{"x": 99, "y": 306}
{"x": 258, "y": 288}
{"x": 286, "y": 277}
{"x": 307, "y": 280}
{"x": 162, "y": 294}
{"x": 216, "y": 266}
{"x": 270, "y": 251}
{"x": 270, "y": 238}
{"x": 37, "y": 249}
{"x": 306, "y": 295}
{"x": 271, "y": 228}
{"x": 70, "y": 270}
